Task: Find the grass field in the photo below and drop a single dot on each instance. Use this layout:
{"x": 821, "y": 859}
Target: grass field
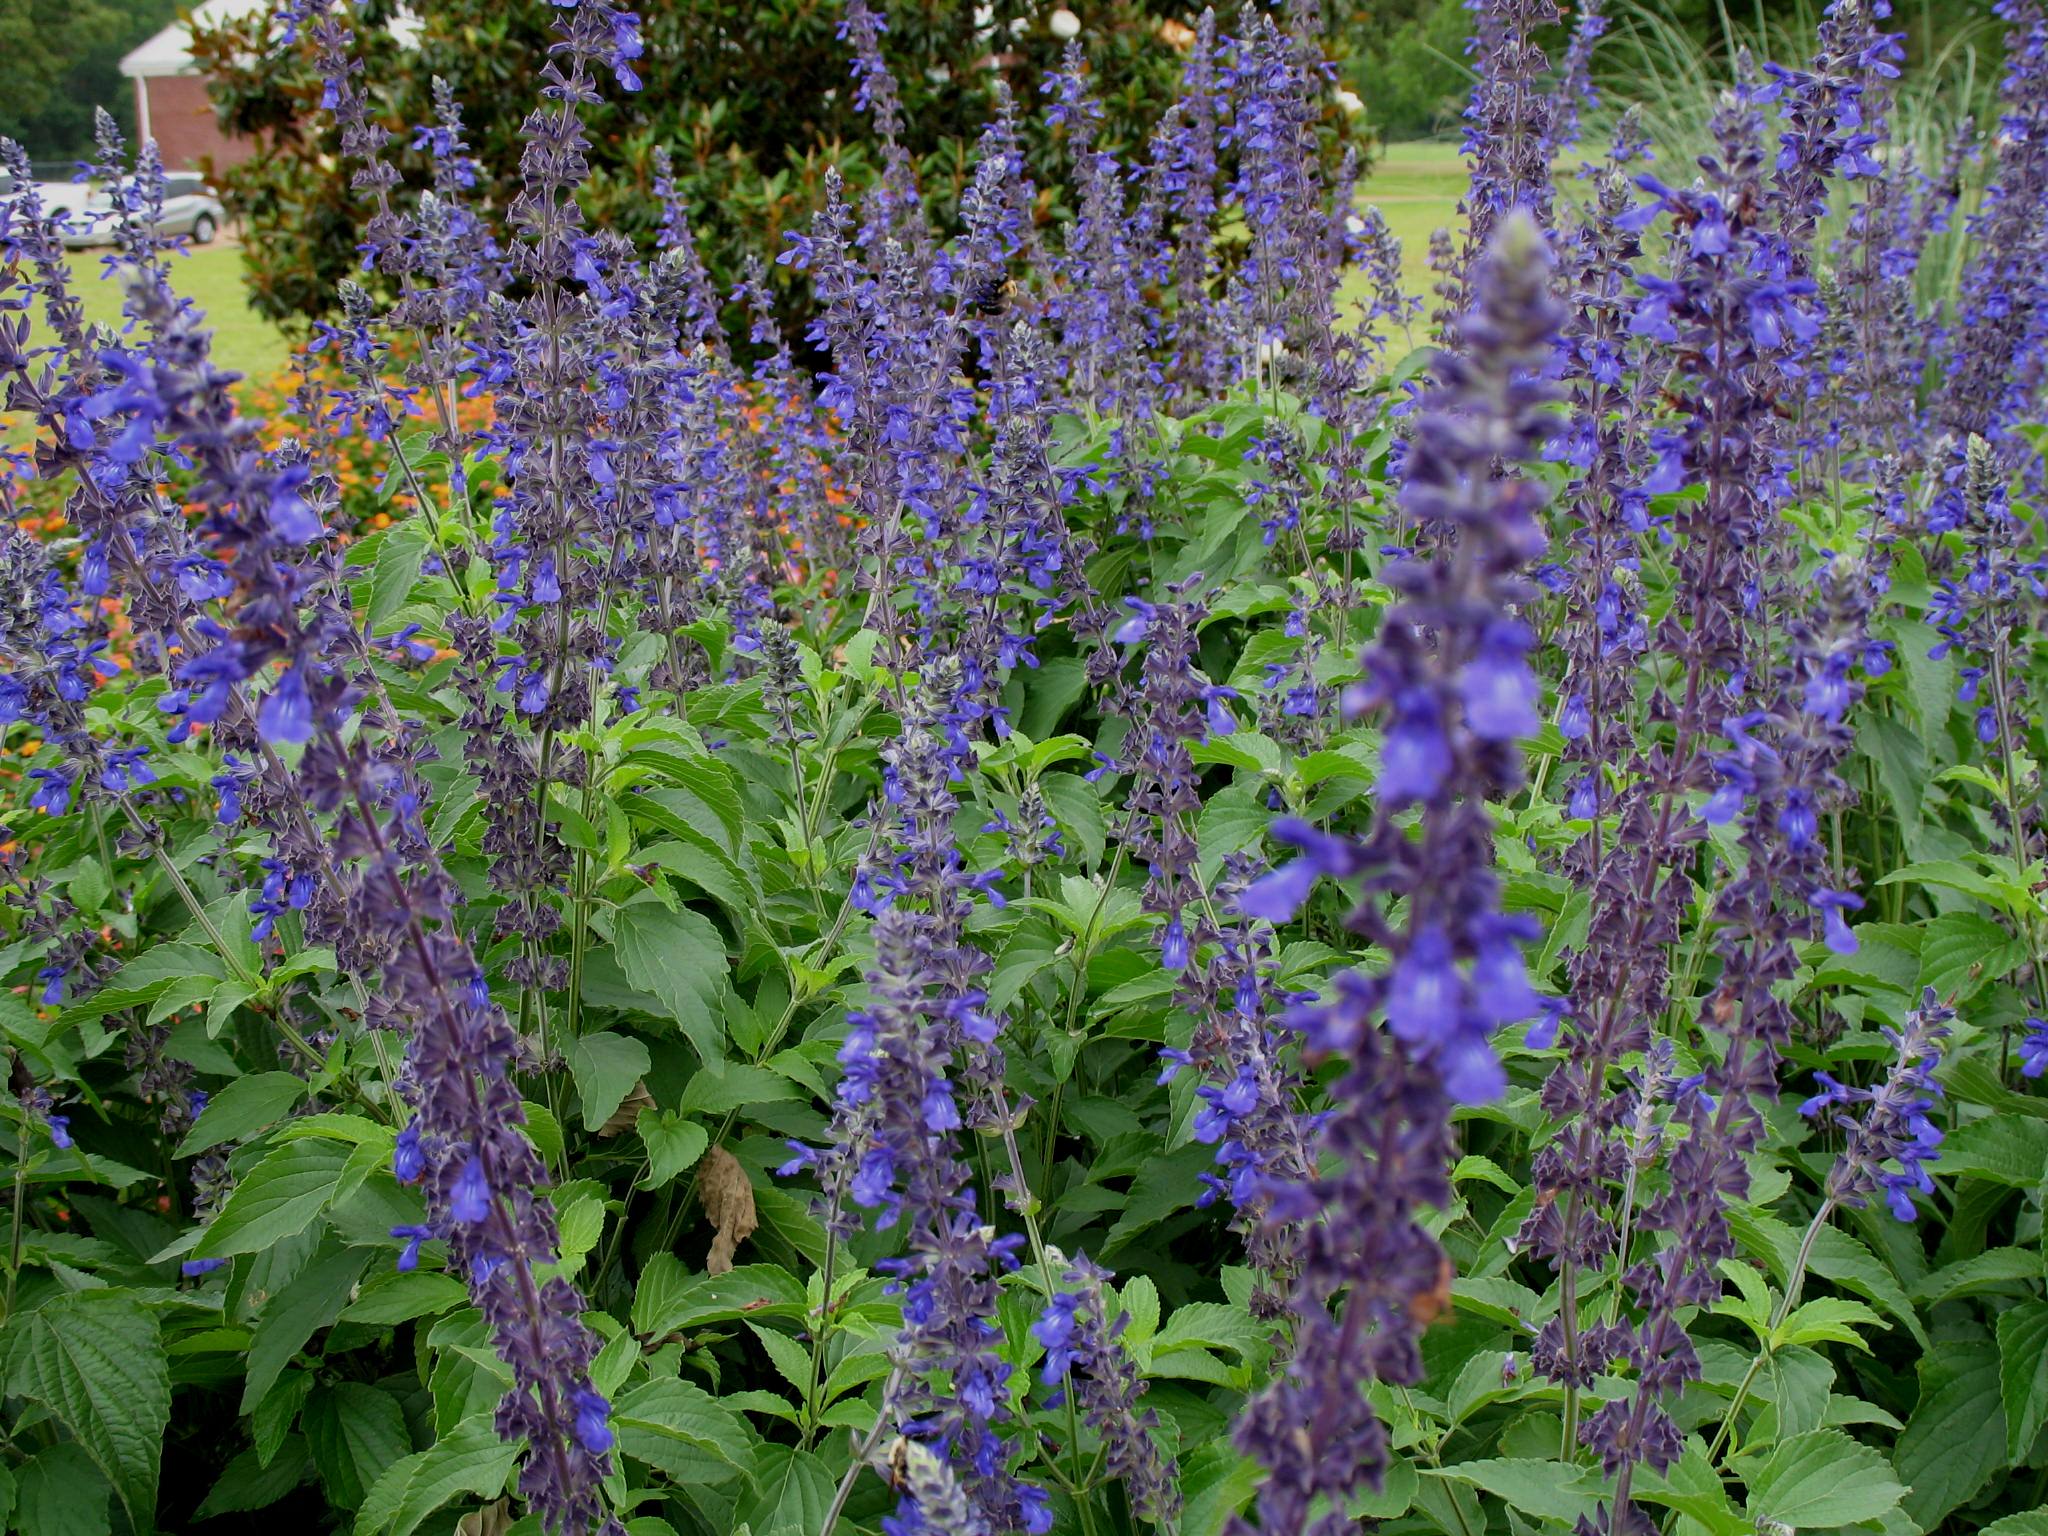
{"x": 1416, "y": 188}
{"x": 211, "y": 277}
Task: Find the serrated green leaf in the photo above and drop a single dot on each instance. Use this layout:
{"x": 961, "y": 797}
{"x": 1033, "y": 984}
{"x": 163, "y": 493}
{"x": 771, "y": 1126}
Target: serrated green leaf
{"x": 249, "y": 1483}
{"x": 795, "y": 1493}
{"x": 1552, "y": 1489}
{"x": 282, "y": 1196}
{"x": 679, "y": 959}
{"x": 469, "y": 1459}
{"x": 1693, "y": 1488}
{"x": 1961, "y": 953}
{"x": 355, "y": 1432}
{"x": 400, "y": 1296}
{"x": 1974, "y": 1276}
{"x": 673, "y": 1145}
{"x": 1823, "y": 1479}
{"x": 1955, "y": 1439}
{"x": 96, "y": 1361}
{"x": 2023, "y": 1375}
{"x": 684, "y": 1431}
{"x": 2006, "y": 1149}
{"x": 61, "y": 1493}
{"x": 1830, "y": 1319}
{"x": 243, "y": 1108}
{"x": 313, "y": 1300}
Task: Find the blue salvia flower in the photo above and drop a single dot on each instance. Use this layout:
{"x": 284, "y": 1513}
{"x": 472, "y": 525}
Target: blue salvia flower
{"x": 481, "y": 1176}
{"x": 1450, "y": 680}
{"x": 1891, "y": 1123}
{"x": 1511, "y": 126}
{"x": 1083, "y": 1349}
{"x": 1999, "y": 344}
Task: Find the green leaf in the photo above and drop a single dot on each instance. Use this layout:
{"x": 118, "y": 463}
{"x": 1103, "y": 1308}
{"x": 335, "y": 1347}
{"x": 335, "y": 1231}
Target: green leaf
{"x": 399, "y": 1297}
{"x": 1842, "y": 1259}
{"x": 355, "y": 1432}
{"x": 1796, "y": 1382}
{"x": 399, "y": 558}
{"x": 1692, "y": 1487}
{"x": 1553, "y": 1490}
{"x": 2023, "y": 1375}
{"x": 243, "y": 1108}
{"x": 671, "y": 1299}
{"x": 62, "y": 1494}
{"x": 673, "y": 1145}
{"x": 2030, "y": 1522}
{"x": 684, "y": 1431}
{"x": 274, "y": 1417}
{"x": 280, "y": 1198}
{"x": 1955, "y": 1439}
{"x": 144, "y": 979}
{"x": 1167, "y": 1183}
{"x": 96, "y": 1361}
{"x": 738, "y": 1087}
{"x": 250, "y": 1483}
{"x": 1216, "y": 1482}
{"x": 606, "y": 1067}
{"x": 677, "y": 958}
{"x": 791, "y": 1360}
{"x": 796, "y": 1492}
{"x": 1974, "y": 1276}
{"x": 1077, "y": 806}
{"x": 468, "y": 1459}
{"x": 1831, "y": 1319}
{"x": 1050, "y": 692}
{"x": 2006, "y": 1149}
{"x": 1822, "y": 1479}
{"x": 313, "y": 1300}
{"x": 1963, "y": 952}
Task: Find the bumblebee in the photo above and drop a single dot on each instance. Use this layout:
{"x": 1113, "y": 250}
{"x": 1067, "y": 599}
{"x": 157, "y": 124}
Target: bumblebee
{"x": 990, "y": 296}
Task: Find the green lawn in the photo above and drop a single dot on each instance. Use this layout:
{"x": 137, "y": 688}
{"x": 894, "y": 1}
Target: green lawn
{"x": 211, "y": 277}
{"x": 1416, "y": 188}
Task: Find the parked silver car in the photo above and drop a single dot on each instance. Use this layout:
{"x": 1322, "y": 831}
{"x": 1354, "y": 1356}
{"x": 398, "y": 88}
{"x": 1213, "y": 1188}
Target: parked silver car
{"x": 191, "y": 207}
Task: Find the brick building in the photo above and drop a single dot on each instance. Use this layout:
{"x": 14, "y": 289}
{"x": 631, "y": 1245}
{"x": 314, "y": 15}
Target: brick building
{"x": 171, "y": 105}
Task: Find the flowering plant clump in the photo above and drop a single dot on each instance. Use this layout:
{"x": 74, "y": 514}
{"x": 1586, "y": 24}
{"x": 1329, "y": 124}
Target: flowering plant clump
{"x": 1081, "y": 901}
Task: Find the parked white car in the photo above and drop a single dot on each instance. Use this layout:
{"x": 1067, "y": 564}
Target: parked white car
{"x": 191, "y": 207}
{"x": 55, "y": 196}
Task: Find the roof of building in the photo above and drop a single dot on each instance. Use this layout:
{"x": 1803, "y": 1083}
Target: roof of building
{"x": 170, "y": 51}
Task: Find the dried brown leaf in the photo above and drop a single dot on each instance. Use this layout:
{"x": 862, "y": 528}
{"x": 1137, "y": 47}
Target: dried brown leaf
{"x": 491, "y": 1520}
{"x": 728, "y": 1199}
{"x": 627, "y": 1115}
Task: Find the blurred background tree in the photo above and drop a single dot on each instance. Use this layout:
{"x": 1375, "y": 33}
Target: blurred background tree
{"x": 61, "y": 58}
